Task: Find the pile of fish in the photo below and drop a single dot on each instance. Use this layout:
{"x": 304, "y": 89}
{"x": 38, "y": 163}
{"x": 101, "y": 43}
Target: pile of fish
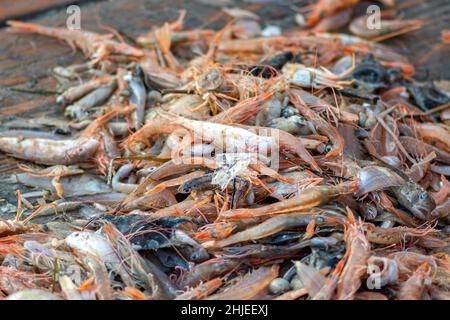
{"x": 243, "y": 163}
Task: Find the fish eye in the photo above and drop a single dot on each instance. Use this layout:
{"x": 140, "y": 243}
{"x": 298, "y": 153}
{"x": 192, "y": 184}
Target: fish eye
{"x": 328, "y": 148}
{"x": 423, "y": 196}
{"x": 195, "y": 256}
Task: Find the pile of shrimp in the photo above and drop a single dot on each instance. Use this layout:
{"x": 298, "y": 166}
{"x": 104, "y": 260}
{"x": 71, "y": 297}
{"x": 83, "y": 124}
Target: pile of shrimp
{"x": 240, "y": 163}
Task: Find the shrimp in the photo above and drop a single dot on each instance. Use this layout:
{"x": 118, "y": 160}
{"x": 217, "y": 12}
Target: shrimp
{"x": 50, "y": 152}
{"x": 256, "y": 45}
{"x": 163, "y": 38}
{"x": 250, "y": 286}
{"x": 148, "y": 40}
{"x": 321, "y": 124}
{"x": 272, "y": 252}
{"x": 25, "y": 285}
{"x": 306, "y": 77}
{"x": 272, "y": 226}
{"x": 292, "y": 295}
{"x": 309, "y": 198}
{"x": 207, "y": 271}
{"x": 415, "y": 286}
{"x": 394, "y": 235}
{"x": 202, "y": 291}
{"x": 160, "y": 199}
{"x": 356, "y": 256}
{"x": 420, "y": 148}
{"x": 96, "y": 97}
{"x": 359, "y": 27}
{"x": 97, "y": 247}
{"x": 56, "y": 172}
{"x": 11, "y": 227}
{"x": 74, "y": 93}
{"x": 69, "y": 186}
{"x": 151, "y": 128}
{"x": 221, "y": 230}
{"x": 226, "y": 137}
{"x": 175, "y": 181}
{"x": 242, "y": 110}
{"x": 434, "y": 133}
{"x": 312, "y": 279}
{"x": 186, "y": 207}
{"x": 334, "y": 22}
{"x": 289, "y": 143}
{"x": 326, "y": 8}
{"x": 143, "y": 273}
{"x": 93, "y": 45}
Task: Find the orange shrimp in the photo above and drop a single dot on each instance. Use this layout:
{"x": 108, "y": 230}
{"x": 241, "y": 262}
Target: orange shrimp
{"x": 292, "y": 295}
{"x": 321, "y": 124}
{"x": 414, "y": 287}
{"x": 256, "y": 45}
{"x": 358, "y": 251}
{"x": 92, "y": 44}
{"x": 289, "y": 143}
{"x": 208, "y": 270}
{"x": 11, "y": 227}
{"x": 175, "y": 181}
{"x": 215, "y": 231}
{"x": 202, "y": 291}
{"x": 394, "y": 235}
{"x": 328, "y": 288}
{"x": 184, "y": 208}
{"x": 326, "y": 8}
{"x": 243, "y": 109}
{"x": 250, "y": 286}
{"x": 432, "y": 132}
{"x": 134, "y": 294}
{"x": 160, "y": 199}
{"x": 272, "y": 226}
{"x": 309, "y": 198}
{"x": 50, "y": 152}
{"x": 150, "y": 129}
{"x": 163, "y": 37}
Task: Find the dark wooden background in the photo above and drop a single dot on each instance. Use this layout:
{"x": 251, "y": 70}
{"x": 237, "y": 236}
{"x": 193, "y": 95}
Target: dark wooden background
{"x": 26, "y": 61}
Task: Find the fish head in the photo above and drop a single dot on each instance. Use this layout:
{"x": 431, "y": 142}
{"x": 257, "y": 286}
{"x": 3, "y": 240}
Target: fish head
{"x": 417, "y": 200}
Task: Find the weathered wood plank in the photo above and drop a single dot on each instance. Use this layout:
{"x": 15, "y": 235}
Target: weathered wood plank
{"x": 13, "y": 8}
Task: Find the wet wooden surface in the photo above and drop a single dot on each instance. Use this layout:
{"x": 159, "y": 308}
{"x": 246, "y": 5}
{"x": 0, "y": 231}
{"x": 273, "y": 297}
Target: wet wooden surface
{"x": 19, "y": 8}
{"x": 26, "y": 61}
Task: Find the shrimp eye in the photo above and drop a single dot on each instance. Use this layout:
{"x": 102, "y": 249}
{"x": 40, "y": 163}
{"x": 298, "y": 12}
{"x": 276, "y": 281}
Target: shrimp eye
{"x": 423, "y": 196}
{"x": 328, "y": 148}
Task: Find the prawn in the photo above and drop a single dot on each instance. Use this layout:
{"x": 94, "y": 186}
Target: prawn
{"x": 326, "y": 8}
{"x": 93, "y": 45}
{"x": 272, "y": 226}
{"x": 50, "y": 152}
{"x": 11, "y": 227}
{"x": 309, "y": 198}
{"x": 249, "y": 286}
{"x": 415, "y": 286}
{"x": 358, "y": 251}
{"x": 321, "y": 124}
